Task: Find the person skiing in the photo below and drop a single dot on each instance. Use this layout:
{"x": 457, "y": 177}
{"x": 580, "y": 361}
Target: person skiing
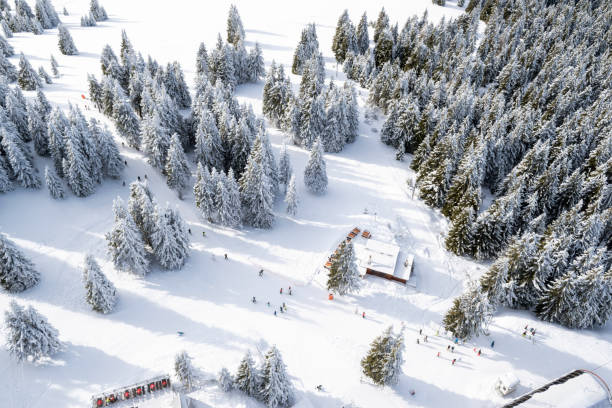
{"x": 290, "y": 290}
{"x": 254, "y": 300}
{"x": 189, "y": 230}
{"x": 261, "y": 273}
{"x": 479, "y": 351}
{"x": 268, "y": 304}
{"x": 493, "y": 344}
{"x": 281, "y": 310}
{"x": 226, "y": 257}
{"x": 420, "y": 331}
{"x": 203, "y": 234}
{"x": 138, "y": 178}
{"x": 438, "y": 354}
{"x": 454, "y": 360}
{"x": 123, "y": 183}
{"x": 363, "y": 315}
{"x": 417, "y": 341}
{"x": 281, "y": 291}
{"x": 452, "y": 349}
{"x": 456, "y": 340}
{"x": 425, "y": 339}
{"x": 275, "y": 313}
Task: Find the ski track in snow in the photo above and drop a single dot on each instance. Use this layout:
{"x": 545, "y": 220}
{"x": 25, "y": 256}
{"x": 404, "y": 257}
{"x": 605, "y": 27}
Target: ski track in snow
{"x": 322, "y": 342}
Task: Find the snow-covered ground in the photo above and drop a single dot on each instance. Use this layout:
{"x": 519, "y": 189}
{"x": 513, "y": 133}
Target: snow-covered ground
{"x": 322, "y": 341}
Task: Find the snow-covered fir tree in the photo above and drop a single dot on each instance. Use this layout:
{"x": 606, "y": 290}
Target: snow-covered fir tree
{"x": 176, "y": 87}
{"x": 54, "y": 184}
{"x": 46, "y": 14}
{"x": 202, "y": 61}
{"x": 247, "y": 377}
{"x": 142, "y": 208}
{"x": 38, "y": 130}
{"x": 54, "y": 67}
{"x": 363, "y": 39}
{"x": 88, "y": 20}
{"x": 291, "y": 197}
{"x": 27, "y": 77}
{"x": 255, "y": 64}
{"x": 204, "y": 193}
{"x": 124, "y": 242}
{"x": 29, "y": 335}
{"x": 7, "y": 69}
{"x": 343, "y": 275}
{"x": 66, "y": 44}
{"x": 208, "y": 146}
{"x": 170, "y": 240}
{"x": 315, "y": 173}
{"x": 285, "y": 170}
{"x": 155, "y": 140}
{"x": 6, "y": 48}
{"x": 184, "y": 370}
{"x": 384, "y": 360}
{"x": 225, "y": 380}
{"x": 97, "y": 11}
{"x": 100, "y": 293}
{"x": 277, "y": 94}
{"x": 8, "y": 33}
{"x": 16, "y": 110}
{"x": 235, "y": 31}
{"x": 256, "y": 193}
{"x": 112, "y": 163}
{"x": 18, "y": 158}
{"x": 306, "y": 48}
{"x": 76, "y": 166}
{"x": 275, "y": 387}
{"x": 17, "y": 273}
{"x": 44, "y": 75}
{"x": 5, "y": 182}
{"x": 125, "y": 118}
{"x": 177, "y": 170}
{"x": 470, "y": 314}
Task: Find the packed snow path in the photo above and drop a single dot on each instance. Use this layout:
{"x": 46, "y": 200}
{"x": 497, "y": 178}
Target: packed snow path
{"x": 209, "y": 300}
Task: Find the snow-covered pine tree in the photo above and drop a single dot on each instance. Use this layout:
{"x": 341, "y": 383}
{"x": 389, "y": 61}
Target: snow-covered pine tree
{"x": 38, "y": 130}
{"x": 255, "y": 64}
{"x": 240, "y": 145}
{"x": 5, "y": 182}
{"x": 16, "y": 110}
{"x": 76, "y": 166}
{"x": 306, "y": 48}
{"x": 383, "y": 362}
{"x": 155, "y": 140}
{"x": 233, "y": 217}
{"x": 202, "y": 61}
{"x": 66, "y": 44}
{"x": 142, "y": 208}
{"x": 225, "y": 380}
{"x": 363, "y": 40}
{"x": 333, "y": 136}
{"x": 7, "y": 69}
{"x": 100, "y": 293}
{"x": 18, "y": 158}
{"x": 17, "y": 272}
{"x": 6, "y": 48}
{"x": 112, "y": 163}
{"x": 125, "y": 118}
{"x": 177, "y": 170}
{"x": 275, "y": 388}
{"x": 54, "y": 184}
{"x": 27, "y": 78}
{"x": 313, "y": 122}
{"x": 268, "y": 159}
{"x": 88, "y": 20}
{"x": 98, "y": 11}
{"x": 284, "y": 166}
{"x": 169, "y": 240}
{"x": 184, "y": 370}
{"x": 235, "y": 31}
{"x": 29, "y": 335}
{"x": 8, "y": 33}
{"x": 247, "y": 376}
{"x": 459, "y": 238}
{"x": 315, "y": 173}
{"x": 208, "y": 147}
{"x": 256, "y": 193}
{"x": 204, "y": 193}
{"x": 470, "y": 313}
{"x": 125, "y": 245}
{"x": 291, "y": 198}
{"x": 44, "y": 75}
{"x": 344, "y": 37}
{"x": 54, "y": 67}
{"x": 46, "y": 14}
{"x": 343, "y": 275}
{"x": 174, "y": 80}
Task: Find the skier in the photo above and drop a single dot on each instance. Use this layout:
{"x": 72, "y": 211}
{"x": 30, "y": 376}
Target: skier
{"x": 254, "y": 300}
{"x": 319, "y": 387}
{"x": 203, "y": 234}
{"x": 438, "y": 354}
{"x": 448, "y": 347}
{"x": 453, "y": 363}
{"x": 281, "y": 291}
{"x": 412, "y": 392}
{"x": 146, "y": 176}
{"x": 493, "y": 344}
{"x": 226, "y": 257}
{"x": 281, "y": 310}
{"x": 284, "y": 307}
{"x": 138, "y": 178}
{"x": 425, "y": 339}
{"x": 420, "y": 331}
{"x": 180, "y": 333}
{"x": 261, "y": 273}
{"x": 275, "y": 313}
{"x": 479, "y": 351}
{"x": 189, "y": 231}
{"x": 452, "y": 349}
{"x": 363, "y": 315}
{"x": 289, "y": 290}
{"x": 268, "y": 304}
{"x": 525, "y": 333}
{"x": 123, "y": 183}
{"x": 417, "y": 341}
{"x": 456, "y": 340}
{"x": 125, "y": 162}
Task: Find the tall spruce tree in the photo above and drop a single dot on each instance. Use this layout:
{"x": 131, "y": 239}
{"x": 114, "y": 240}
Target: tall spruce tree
{"x": 177, "y": 170}
{"x": 275, "y": 388}
{"x": 29, "y": 335}
{"x": 54, "y": 184}
{"x": 27, "y": 78}
{"x": 315, "y": 173}
{"x": 66, "y": 44}
{"x": 17, "y": 273}
{"x": 291, "y": 197}
{"x": 247, "y": 377}
{"x": 184, "y": 371}
{"x": 383, "y": 362}
{"x": 169, "y": 239}
{"x": 100, "y": 293}
{"x": 470, "y": 314}
{"x": 343, "y": 275}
